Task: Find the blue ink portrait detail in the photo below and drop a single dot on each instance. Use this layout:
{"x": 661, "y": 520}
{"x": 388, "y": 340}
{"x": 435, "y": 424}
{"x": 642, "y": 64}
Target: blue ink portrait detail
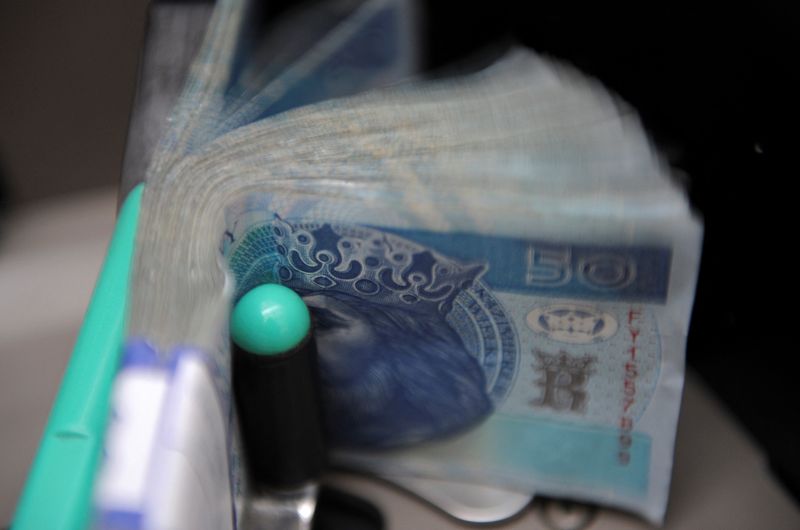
{"x": 412, "y": 345}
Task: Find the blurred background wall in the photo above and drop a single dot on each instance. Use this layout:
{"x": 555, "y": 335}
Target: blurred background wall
{"x": 67, "y": 79}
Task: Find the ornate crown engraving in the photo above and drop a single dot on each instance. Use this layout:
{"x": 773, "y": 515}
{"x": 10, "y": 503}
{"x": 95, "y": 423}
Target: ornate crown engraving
{"x": 369, "y": 263}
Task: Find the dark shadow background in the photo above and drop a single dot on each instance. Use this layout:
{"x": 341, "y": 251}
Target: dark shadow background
{"x": 718, "y": 93}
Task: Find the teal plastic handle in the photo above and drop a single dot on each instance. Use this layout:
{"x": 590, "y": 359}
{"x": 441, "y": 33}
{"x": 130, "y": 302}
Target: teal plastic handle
{"x": 58, "y": 492}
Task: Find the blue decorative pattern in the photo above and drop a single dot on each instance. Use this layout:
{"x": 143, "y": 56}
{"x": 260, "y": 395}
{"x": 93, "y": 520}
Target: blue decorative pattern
{"x": 413, "y": 346}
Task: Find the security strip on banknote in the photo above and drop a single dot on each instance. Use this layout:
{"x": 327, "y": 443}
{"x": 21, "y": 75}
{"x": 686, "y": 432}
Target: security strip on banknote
{"x": 500, "y": 266}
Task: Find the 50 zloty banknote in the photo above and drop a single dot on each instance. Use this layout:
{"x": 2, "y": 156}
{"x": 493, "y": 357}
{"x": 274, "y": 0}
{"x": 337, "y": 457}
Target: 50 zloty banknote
{"x": 500, "y": 267}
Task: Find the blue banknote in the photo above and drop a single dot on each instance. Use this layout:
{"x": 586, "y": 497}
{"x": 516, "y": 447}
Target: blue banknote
{"x": 368, "y": 46}
{"x": 499, "y": 267}
{"x": 242, "y": 75}
{"x": 521, "y": 361}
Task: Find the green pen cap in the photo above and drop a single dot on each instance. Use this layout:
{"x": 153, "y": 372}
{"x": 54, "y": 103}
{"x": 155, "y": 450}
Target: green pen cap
{"x": 270, "y": 320}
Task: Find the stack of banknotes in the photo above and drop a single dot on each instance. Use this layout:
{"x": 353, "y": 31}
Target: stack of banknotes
{"x": 500, "y": 266}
